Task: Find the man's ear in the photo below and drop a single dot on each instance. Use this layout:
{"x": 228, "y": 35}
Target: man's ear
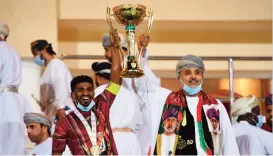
{"x": 73, "y": 96}
{"x": 44, "y": 128}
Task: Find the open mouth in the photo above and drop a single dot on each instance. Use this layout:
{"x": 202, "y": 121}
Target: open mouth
{"x": 86, "y": 99}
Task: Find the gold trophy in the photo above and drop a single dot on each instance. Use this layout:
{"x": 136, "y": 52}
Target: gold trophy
{"x": 129, "y": 15}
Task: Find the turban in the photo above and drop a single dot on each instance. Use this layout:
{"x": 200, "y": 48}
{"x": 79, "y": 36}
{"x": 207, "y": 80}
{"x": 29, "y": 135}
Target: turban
{"x": 4, "y": 31}
{"x": 189, "y": 61}
{"x": 37, "y": 118}
{"x": 213, "y": 113}
{"x": 268, "y": 100}
{"x": 244, "y": 105}
{"x": 106, "y": 41}
{"x": 102, "y": 68}
{"x": 171, "y": 112}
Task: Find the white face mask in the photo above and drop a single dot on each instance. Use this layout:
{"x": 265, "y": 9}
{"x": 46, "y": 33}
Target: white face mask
{"x": 189, "y": 90}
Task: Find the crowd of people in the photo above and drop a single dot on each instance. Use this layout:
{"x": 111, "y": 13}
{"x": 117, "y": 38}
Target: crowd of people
{"x": 110, "y": 115}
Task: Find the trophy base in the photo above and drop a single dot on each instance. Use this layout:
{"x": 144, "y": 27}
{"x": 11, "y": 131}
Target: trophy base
{"x": 132, "y": 69}
{"x": 132, "y": 73}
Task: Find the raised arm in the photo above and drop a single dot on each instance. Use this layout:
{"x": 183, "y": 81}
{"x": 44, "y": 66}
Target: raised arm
{"x": 116, "y": 59}
{"x": 150, "y": 77}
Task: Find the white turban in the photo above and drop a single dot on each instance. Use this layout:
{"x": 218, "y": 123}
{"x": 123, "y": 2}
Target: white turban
{"x": 4, "y": 31}
{"x": 37, "y": 118}
{"x": 106, "y": 41}
{"x": 244, "y": 105}
{"x": 189, "y": 61}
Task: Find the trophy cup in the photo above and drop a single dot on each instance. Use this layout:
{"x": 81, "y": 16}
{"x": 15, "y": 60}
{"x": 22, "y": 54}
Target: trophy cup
{"x": 129, "y": 15}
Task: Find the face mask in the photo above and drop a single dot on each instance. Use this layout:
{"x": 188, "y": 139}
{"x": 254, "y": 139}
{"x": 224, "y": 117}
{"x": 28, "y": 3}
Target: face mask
{"x": 261, "y": 120}
{"x": 39, "y": 61}
{"x": 189, "y": 90}
{"x": 85, "y": 109}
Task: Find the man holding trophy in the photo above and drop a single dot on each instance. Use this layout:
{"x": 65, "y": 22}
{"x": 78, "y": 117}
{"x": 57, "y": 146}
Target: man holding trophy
{"x": 138, "y": 79}
{"x": 125, "y": 113}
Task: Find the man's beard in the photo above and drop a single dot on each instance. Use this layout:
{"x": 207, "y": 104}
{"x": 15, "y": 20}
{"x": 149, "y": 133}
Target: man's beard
{"x": 194, "y": 81}
{"x": 37, "y": 138}
{"x": 169, "y": 129}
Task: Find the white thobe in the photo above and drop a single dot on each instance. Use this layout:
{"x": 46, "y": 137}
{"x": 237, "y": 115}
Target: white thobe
{"x": 57, "y": 77}
{"x": 12, "y": 105}
{"x": 151, "y": 98}
{"x": 228, "y": 142}
{"x": 124, "y": 113}
{"x": 169, "y": 140}
{"x": 45, "y": 148}
{"x": 253, "y": 140}
{"x": 55, "y": 86}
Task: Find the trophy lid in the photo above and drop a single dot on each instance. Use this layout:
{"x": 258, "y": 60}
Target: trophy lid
{"x": 129, "y": 13}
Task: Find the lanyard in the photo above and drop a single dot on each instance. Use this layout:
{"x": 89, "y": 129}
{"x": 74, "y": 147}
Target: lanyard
{"x": 91, "y": 131}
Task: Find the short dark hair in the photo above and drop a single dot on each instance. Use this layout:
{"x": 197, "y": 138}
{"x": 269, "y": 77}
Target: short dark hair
{"x": 80, "y": 79}
{"x": 98, "y": 68}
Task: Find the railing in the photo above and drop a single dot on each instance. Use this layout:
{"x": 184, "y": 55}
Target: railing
{"x": 207, "y": 58}
{"x": 230, "y": 60}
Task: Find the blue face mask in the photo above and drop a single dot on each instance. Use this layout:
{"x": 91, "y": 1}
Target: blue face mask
{"x": 39, "y": 61}
{"x": 260, "y": 121}
{"x": 189, "y": 90}
{"x": 85, "y": 109}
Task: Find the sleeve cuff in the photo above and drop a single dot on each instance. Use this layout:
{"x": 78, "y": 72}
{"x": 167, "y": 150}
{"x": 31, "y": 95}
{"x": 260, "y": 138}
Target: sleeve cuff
{"x": 146, "y": 55}
{"x": 113, "y": 88}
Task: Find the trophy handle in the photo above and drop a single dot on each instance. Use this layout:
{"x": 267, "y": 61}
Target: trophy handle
{"x": 150, "y": 23}
{"x": 113, "y": 34}
{"x": 151, "y": 19}
{"x": 108, "y": 17}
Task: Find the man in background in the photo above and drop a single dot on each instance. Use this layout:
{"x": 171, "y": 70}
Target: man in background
{"x": 149, "y": 96}
{"x": 268, "y": 105}
{"x": 251, "y": 139}
{"x": 12, "y": 105}
{"x": 125, "y": 117}
{"x": 38, "y": 130}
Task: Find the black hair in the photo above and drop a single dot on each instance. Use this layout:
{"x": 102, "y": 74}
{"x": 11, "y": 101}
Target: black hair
{"x": 80, "y": 79}
{"x": 249, "y": 117}
{"x": 50, "y": 50}
{"x": 98, "y": 66}
{"x": 40, "y": 45}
